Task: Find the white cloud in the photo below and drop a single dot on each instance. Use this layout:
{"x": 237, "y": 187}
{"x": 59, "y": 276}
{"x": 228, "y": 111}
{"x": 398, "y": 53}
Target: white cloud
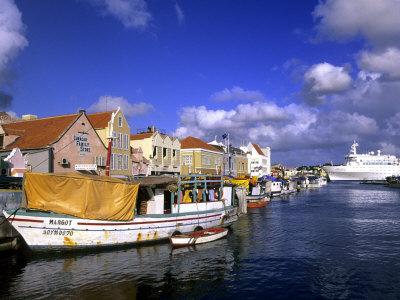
{"x": 312, "y": 132}
{"x": 107, "y": 103}
{"x": 13, "y": 114}
{"x": 377, "y": 20}
{"x": 237, "y": 94}
{"x": 370, "y": 96}
{"x": 12, "y": 41}
{"x": 131, "y": 13}
{"x": 322, "y": 80}
{"x": 259, "y": 112}
{"x": 386, "y": 62}
{"x": 179, "y": 13}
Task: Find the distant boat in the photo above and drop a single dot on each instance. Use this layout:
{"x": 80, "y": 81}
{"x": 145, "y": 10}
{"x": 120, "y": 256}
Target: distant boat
{"x": 359, "y": 167}
{"x": 198, "y": 237}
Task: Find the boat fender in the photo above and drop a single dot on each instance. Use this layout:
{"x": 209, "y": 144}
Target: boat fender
{"x": 198, "y": 228}
{"x": 177, "y": 232}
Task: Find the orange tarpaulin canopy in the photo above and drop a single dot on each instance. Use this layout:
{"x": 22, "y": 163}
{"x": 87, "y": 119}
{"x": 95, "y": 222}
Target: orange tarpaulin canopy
{"x": 98, "y": 198}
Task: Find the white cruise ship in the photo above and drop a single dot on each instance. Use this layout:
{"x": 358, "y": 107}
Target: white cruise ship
{"x": 364, "y": 166}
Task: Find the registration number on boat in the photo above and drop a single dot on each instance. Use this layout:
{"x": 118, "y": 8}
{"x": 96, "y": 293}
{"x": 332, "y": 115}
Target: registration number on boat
{"x": 58, "y": 232}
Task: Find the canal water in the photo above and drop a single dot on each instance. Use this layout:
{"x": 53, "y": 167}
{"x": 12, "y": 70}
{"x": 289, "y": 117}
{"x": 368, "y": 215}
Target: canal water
{"x": 341, "y": 241}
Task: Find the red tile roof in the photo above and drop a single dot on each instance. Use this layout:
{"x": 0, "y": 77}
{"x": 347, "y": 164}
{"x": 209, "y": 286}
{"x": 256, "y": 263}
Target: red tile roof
{"x": 258, "y": 149}
{"x": 141, "y": 136}
{"x": 101, "y": 119}
{"x": 192, "y": 142}
{"x": 39, "y": 132}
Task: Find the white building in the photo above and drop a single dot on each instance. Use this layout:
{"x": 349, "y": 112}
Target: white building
{"x": 259, "y": 160}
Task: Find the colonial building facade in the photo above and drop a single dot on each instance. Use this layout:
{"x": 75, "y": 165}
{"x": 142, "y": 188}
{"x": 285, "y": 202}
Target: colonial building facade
{"x": 198, "y": 157}
{"x": 58, "y": 144}
{"x": 259, "y": 162}
{"x": 161, "y": 150}
{"x": 112, "y": 124}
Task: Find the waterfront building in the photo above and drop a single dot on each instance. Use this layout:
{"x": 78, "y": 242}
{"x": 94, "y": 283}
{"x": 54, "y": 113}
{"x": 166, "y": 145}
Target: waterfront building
{"x": 242, "y": 163}
{"x": 59, "y": 144}
{"x": 16, "y": 164}
{"x": 113, "y": 124}
{"x": 235, "y": 162}
{"x": 161, "y": 150}
{"x": 198, "y": 157}
{"x": 139, "y": 162}
{"x": 259, "y": 161}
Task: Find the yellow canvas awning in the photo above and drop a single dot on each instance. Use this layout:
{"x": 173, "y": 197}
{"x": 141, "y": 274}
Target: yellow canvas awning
{"x": 98, "y": 198}
{"x": 241, "y": 182}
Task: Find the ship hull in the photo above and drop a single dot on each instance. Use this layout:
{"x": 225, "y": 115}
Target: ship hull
{"x": 345, "y": 173}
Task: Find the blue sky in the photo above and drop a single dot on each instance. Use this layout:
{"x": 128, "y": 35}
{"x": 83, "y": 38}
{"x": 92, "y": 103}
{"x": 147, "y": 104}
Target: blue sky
{"x": 302, "y": 77}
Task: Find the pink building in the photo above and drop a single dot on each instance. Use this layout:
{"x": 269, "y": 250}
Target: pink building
{"x": 59, "y": 144}
{"x": 139, "y": 162}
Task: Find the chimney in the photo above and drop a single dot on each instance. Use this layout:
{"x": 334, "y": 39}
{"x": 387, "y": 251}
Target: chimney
{"x": 29, "y": 117}
{"x": 151, "y": 129}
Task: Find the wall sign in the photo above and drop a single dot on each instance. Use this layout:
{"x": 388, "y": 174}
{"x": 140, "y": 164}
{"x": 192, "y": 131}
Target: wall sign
{"x": 81, "y": 141}
{"x": 86, "y": 167}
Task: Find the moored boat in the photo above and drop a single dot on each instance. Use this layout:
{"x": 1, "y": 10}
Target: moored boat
{"x": 198, "y": 237}
{"x": 70, "y": 211}
{"x": 364, "y": 167}
{"x": 256, "y": 204}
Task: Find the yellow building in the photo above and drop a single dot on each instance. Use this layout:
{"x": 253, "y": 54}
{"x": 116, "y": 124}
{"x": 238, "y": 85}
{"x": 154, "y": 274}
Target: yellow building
{"x": 242, "y": 164}
{"x": 198, "y": 157}
{"x": 113, "y": 124}
{"x": 161, "y": 150}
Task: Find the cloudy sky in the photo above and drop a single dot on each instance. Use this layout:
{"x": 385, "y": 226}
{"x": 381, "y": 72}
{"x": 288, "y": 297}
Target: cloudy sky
{"x": 304, "y": 78}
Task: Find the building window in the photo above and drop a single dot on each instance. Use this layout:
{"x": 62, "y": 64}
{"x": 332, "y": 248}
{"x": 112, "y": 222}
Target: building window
{"x": 114, "y": 139}
{"x": 120, "y": 140}
{"x": 1, "y": 141}
{"x": 126, "y": 162}
{"x": 119, "y": 162}
{"x": 112, "y": 162}
{"x": 154, "y": 152}
{"x": 187, "y": 160}
{"x": 120, "y": 121}
{"x": 206, "y": 160}
{"x": 164, "y": 153}
{"x": 126, "y": 141}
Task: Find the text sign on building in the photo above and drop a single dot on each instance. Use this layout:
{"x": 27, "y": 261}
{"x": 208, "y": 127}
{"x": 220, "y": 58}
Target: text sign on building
{"x": 81, "y": 141}
{"x": 86, "y": 167}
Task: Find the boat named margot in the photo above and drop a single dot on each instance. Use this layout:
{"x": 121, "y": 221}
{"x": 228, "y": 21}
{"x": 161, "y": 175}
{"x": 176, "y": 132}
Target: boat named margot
{"x": 359, "y": 167}
{"x": 70, "y": 211}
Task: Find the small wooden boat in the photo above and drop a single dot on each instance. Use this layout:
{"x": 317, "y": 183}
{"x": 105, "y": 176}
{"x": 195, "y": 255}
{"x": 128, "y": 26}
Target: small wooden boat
{"x": 198, "y": 237}
{"x": 256, "y": 204}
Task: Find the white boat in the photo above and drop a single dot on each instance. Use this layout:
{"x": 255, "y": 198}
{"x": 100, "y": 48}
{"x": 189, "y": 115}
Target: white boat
{"x": 288, "y": 187}
{"x": 360, "y": 167}
{"x": 276, "y": 188}
{"x": 198, "y": 237}
{"x": 256, "y": 195}
{"x": 314, "y": 182}
{"x": 302, "y": 183}
{"x": 67, "y": 215}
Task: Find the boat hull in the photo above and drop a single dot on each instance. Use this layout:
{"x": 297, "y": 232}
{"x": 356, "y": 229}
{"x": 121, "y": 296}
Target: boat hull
{"x": 256, "y": 204}
{"x": 48, "y": 230}
{"x": 198, "y": 237}
{"x": 344, "y": 173}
